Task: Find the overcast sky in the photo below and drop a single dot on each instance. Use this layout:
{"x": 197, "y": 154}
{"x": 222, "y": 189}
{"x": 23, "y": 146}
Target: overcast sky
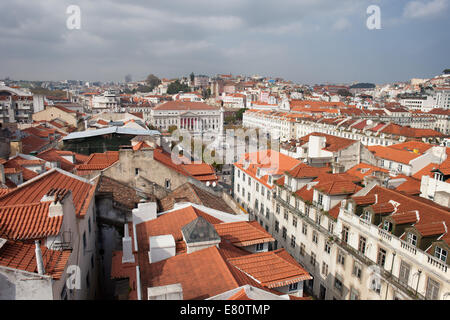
{"x": 307, "y": 41}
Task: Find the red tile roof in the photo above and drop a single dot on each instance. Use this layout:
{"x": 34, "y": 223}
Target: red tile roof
{"x": 401, "y": 156}
{"x": 19, "y": 255}
{"x": 243, "y": 233}
{"x": 272, "y": 269}
{"x": 99, "y": 161}
{"x": 337, "y": 187}
{"x": 32, "y": 143}
{"x": 33, "y": 190}
{"x": 201, "y": 172}
{"x": 28, "y": 221}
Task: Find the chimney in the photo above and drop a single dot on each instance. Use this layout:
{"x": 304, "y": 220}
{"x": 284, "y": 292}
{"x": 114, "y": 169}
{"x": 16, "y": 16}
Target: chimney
{"x": 144, "y": 212}
{"x": 161, "y": 248}
{"x": 55, "y": 209}
{"x": 127, "y": 248}
{"x": 39, "y": 260}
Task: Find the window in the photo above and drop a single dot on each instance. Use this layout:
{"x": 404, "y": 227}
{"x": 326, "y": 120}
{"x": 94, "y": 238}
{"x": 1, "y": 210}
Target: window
{"x": 315, "y": 237}
{"x": 277, "y": 226}
{"x": 259, "y": 246}
{"x": 239, "y": 173}
{"x": 294, "y": 221}
{"x": 307, "y": 211}
{"x": 357, "y": 270}
{"x": 405, "y": 270}
{"x": 367, "y": 216}
{"x": 432, "y": 292}
{"x": 440, "y": 254}
{"x": 167, "y": 183}
{"x": 293, "y": 286}
{"x": 302, "y": 249}
{"x": 248, "y": 196}
{"x": 257, "y": 187}
{"x": 345, "y": 231}
{"x": 354, "y": 294}
{"x": 327, "y": 248}
{"x": 88, "y": 283}
{"x": 293, "y": 241}
{"x": 387, "y": 226}
{"x": 92, "y": 261}
{"x": 288, "y": 198}
{"x": 286, "y": 215}
{"x": 305, "y": 228}
{"x": 238, "y": 188}
{"x": 267, "y": 213}
{"x": 296, "y": 203}
{"x": 330, "y": 227}
{"x": 249, "y": 181}
{"x": 375, "y": 285}
{"x": 313, "y": 259}
{"x": 84, "y": 241}
{"x": 324, "y": 269}
{"x": 412, "y": 239}
{"x": 277, "y": 209}
{"x": 284, "y": 233}
{"x": 341, "y": 258}
{"x": 338, "y": 284}
{"x": 320, "y": 200}
{"x": 362, "y": 245}
{"x": 89, "y": 225}
{"x": 136, "y": 171}
{"x": 381, "y": 258}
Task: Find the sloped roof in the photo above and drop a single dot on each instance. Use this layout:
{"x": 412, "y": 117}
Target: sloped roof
{"x": 272, "y": 269}
{"x": 33, "y": 190}
{"x": 28, "y": 221}
{"x": 20, "y": 255}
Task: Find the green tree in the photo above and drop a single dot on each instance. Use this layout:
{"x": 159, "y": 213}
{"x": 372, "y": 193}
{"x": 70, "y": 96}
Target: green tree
{"x": 446, "y": 71}
{"x": 172, "y": 129}
{"x": 176, "y": 87}
{"x": 152, "y": 81}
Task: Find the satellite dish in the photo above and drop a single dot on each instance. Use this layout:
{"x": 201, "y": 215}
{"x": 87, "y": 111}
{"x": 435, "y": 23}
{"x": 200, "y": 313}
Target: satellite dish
{"x": 207, "y": 183}
{"x": 214, "y": 184}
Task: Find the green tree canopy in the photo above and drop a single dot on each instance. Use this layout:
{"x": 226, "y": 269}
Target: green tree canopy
{"x": 176, "y": 87}
{"x": 152, "y": 81}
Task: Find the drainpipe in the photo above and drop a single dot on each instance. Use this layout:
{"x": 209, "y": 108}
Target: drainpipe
{"x": 39, "y": 260}
{"x": 418, "y": 279}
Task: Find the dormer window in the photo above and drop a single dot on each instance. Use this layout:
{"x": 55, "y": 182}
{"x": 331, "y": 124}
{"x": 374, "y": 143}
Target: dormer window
{"x": 387, "y": 226}
{"x": 320, "y": 199}
{"x": 438, "y": 176}
{"x": 270, "y": 179}
{"x": 367, "y": 216}
{"x": 440, "y": 253}
{"x": 411, "y": 239}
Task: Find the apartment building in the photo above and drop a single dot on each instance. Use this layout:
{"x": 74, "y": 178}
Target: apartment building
{"x": 48, "y": 234}
{"x": 360, "y": 243}
{"x": 320, "y": 149}
{"x": 254, "y": 181}
{"x": 15, "y": 105}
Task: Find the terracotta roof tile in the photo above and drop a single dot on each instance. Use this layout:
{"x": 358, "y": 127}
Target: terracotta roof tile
{"x": 272, "y": 269}
{"x": 19, "y": 255}
{"x": 34, "y": 190}
{"x": 28, "y": 221}
{"x": 243, "y": 233}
